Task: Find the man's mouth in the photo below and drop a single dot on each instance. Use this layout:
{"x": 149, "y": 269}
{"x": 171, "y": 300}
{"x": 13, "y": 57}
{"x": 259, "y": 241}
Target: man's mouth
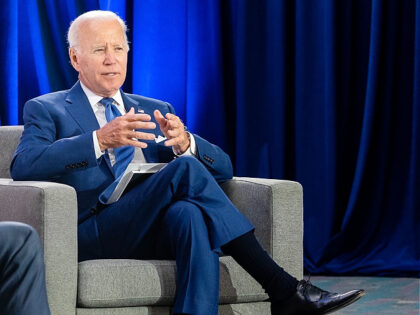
{"x": 110, "y": 74}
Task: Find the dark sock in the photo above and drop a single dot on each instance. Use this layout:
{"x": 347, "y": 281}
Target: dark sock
{"x": 248, "y": 253}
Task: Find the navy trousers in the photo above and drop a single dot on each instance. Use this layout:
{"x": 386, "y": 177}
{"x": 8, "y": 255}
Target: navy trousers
{"x": 178, "y": 213}
{"x": 22, "y": 275}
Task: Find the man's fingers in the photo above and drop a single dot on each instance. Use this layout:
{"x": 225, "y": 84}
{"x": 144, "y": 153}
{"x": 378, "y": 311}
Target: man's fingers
{"x": 172, "y": 142}
{"x": 142, "y": 135}
{"x": 136, "y": 117}
{"x": 170, "y": 116}
{"x": 136, "y": 143}
{"x": 159, "y": 117}
{"x": 174, "y": 124}
{"x": 173, "y": 133}
{"x": 141, "y": 125}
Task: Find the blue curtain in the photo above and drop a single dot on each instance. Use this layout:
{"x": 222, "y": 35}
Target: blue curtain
{"x": 323, "y": 92}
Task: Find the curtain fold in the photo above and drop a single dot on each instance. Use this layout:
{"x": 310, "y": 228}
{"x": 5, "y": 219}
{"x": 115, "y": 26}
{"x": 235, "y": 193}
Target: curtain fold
{"x": 323, "y": 92}
{"x": 9, "y": 109}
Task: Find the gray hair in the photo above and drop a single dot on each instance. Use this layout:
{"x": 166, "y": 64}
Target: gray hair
{"x": 74, "y": 29}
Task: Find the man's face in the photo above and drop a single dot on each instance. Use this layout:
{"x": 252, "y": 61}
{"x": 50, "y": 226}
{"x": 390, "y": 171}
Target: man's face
{"x": 101, "y": 56}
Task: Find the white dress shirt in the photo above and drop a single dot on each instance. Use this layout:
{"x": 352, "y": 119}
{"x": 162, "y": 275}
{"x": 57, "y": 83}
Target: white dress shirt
{"x": 99, "y": 111}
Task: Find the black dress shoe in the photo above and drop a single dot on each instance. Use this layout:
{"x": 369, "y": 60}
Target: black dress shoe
{"x": 310, "y": 299}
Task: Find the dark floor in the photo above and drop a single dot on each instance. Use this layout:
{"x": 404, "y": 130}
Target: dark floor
{"x": 393, "y": 296}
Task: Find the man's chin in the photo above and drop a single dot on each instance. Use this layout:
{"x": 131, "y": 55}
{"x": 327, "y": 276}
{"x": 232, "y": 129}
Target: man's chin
{"x": 108, "y": 91}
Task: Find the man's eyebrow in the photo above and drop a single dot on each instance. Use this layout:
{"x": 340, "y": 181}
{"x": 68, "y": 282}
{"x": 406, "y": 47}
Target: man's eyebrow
{"x": 104, "y": 45}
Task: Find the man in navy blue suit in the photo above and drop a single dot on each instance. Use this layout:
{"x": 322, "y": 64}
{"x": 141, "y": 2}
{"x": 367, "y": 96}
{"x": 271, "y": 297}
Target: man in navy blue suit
{"x": 22, "y": 275}
{"x": 86, "y": 136}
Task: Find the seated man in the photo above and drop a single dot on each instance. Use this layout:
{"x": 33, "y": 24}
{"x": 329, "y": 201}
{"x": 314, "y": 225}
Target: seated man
{"x": 86, "y": 136}
{"x": 22, "y": 276}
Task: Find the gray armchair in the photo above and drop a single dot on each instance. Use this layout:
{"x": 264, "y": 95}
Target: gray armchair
{"x": 123, "y": 286}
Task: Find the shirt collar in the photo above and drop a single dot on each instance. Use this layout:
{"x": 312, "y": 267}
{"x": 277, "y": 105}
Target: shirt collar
{"x": 94, "y": 98}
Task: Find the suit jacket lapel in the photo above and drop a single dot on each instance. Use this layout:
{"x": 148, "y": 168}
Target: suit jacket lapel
{"x": 79, "y": 108}
{"x": 130, "y": 102}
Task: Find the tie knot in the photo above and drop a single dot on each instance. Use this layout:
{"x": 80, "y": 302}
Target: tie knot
{"x": 107, "y": 102}
{"x": 111, "y": 111}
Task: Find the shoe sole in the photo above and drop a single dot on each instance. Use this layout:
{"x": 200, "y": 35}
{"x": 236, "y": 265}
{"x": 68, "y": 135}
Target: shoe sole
{"x": 337, "y": 307}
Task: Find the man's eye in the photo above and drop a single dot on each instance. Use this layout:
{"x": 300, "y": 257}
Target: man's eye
{"x": 119, "y": 48}
{"x": 99, "y": 50}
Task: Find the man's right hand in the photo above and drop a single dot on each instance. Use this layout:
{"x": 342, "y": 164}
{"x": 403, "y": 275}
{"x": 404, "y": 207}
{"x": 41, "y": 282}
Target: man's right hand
{"x": 121, "y": 131}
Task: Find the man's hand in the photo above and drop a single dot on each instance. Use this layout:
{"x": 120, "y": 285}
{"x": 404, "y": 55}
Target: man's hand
{"x": 173, "y": 129}
{"x": 121, "y": 131}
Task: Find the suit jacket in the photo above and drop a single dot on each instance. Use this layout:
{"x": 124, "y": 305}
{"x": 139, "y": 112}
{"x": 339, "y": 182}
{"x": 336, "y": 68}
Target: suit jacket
{"x": 57, "y": 145}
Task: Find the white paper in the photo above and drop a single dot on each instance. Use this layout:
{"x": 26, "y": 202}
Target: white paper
{"x": 130, "y": 172}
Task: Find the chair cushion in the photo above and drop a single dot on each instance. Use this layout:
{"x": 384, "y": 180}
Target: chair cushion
{"x": 9, "y": 139}
{"x": 124, "y": 282}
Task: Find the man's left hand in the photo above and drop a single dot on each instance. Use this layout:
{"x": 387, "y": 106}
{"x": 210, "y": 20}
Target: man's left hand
{"x": 173, "y": 129}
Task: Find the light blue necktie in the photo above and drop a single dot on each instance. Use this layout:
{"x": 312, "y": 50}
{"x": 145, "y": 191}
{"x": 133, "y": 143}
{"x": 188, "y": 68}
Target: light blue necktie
{"x": 123, "y": 155}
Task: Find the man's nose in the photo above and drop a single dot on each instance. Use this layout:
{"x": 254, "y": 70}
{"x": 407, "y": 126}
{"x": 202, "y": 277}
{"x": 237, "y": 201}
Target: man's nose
{"x": 109, "y": 57}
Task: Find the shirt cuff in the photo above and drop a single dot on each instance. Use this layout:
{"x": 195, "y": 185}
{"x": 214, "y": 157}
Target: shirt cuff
{"x": 98, "y": 152}
{"x": 192, "y": 149}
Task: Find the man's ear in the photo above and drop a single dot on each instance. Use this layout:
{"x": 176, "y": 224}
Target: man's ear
{"x": 74, "y": 58}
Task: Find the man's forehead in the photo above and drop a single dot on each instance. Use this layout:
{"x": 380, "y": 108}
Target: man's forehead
{"x": 100, "y": 28}
{"x": 101, "y": 32}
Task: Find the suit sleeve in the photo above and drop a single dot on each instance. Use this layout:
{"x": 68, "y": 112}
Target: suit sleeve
{"x": 212, "y": 156}
{"x": 41, "y": 156}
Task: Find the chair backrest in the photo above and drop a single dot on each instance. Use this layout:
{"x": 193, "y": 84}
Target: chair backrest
{"x": 9, "y": 139}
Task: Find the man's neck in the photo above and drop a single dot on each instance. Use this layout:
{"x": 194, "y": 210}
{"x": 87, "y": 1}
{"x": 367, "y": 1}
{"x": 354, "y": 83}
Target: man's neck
{"x": 95, "y": 98}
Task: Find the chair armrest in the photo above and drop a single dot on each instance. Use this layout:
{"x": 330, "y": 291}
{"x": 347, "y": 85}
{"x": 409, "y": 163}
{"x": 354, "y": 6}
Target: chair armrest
{"x": 52, "y": 210}
{"x": 275, "y": 208}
